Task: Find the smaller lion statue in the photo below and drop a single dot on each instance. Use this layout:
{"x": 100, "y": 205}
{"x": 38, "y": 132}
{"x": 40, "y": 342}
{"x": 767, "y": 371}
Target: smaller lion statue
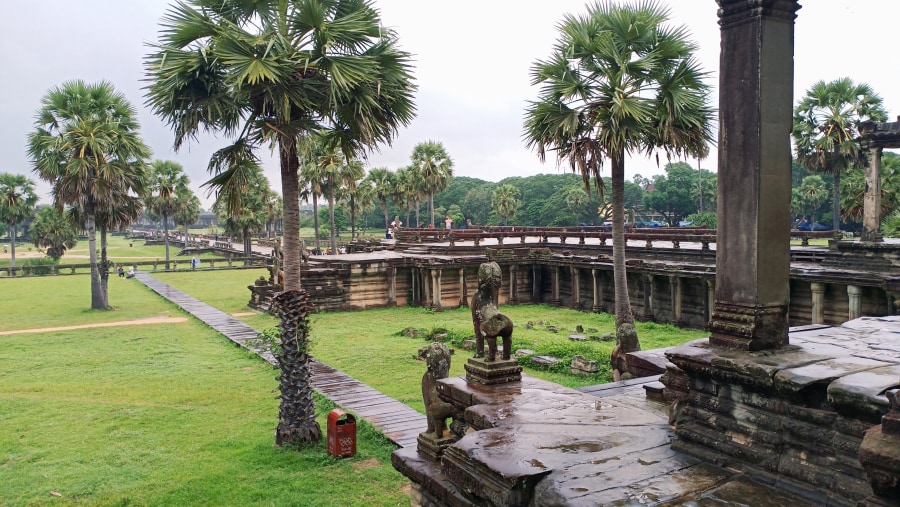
{"x": 437, "y": 361}
{"x": 488, "y": 321}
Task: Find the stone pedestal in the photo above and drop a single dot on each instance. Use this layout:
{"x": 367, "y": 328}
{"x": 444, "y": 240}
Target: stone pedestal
{"x": 432, "y": 446}
{"x": 879, "y": 455}
{"x": 499, "y": 371}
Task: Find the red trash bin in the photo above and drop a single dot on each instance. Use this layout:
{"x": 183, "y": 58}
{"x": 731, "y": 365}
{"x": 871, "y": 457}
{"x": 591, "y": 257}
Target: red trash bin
{"x": 341, "y": 434}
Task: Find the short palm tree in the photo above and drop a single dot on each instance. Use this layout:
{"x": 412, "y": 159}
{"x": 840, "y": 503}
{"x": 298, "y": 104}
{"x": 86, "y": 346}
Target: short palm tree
{"x": 826, "y": 128}
{"x": 505, "y": 201}
{"x": 271, "y": 72}
{"x": 188, "y": 211}
{"x": 435, "y": 167}
{"x": 17, "y": 201}
{"x": 167, "y": 182}
{"x": 813, "y": 194}
{"x": 619, "y": 81}
{"x": 86, "y": 144}
{"x": 52, "y": 230}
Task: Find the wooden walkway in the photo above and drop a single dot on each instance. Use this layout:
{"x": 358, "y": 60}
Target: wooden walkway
{"x": 400, "y": 423}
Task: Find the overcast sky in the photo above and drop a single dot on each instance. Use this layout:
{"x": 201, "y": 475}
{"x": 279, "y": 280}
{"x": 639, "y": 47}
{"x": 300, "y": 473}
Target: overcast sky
{"x": 472, "y": 70}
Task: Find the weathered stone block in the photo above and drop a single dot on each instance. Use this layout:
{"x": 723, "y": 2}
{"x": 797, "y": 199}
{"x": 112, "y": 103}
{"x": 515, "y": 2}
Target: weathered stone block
{"x": 583, "y": 366}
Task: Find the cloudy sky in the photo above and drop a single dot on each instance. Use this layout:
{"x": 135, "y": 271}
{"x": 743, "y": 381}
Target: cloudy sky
{"x": 472, "y": 69}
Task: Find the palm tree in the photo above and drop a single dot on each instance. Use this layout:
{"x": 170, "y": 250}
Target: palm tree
{"x": 272, "y": 72}
{"x": 825, "y": 130}
{"x": 362, "y": 199}
{"x": 17, "y": 201}
{"x": 166, "y": 184}
{"x": 406, "y": 194}
{"x": 576, "y": 198}
{"x": 52, "y": 230}
{"x": 242, "y": 209}
{"x": 813, "y": 194}
{"x": 435, "y": 169}
{"x": 188, "y": 211}
{"x": 384, "y": 185}
{"x": 351, "y": 174}
{"x": 505, "y": 201}
{"x": 86, "y": 144}
{"x": 853, "y": 189}
{"x": 619, "y": 81}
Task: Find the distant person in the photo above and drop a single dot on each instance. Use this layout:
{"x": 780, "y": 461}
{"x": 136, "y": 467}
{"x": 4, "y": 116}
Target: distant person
{"x": 121, "y": 272}
{"x": 130, "y": 273}
{"x": 448, "y": 222}
{"x": 194, "y": 262}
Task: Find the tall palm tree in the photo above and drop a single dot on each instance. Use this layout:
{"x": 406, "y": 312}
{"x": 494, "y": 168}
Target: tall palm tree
{"x": 271, "y": 72}
{"x": 619, "y": 81}
{"x": 435, "y": 168}
{"x": 352, "y": 173}
{"x": 384, "y": 187}
{"x": 362, "y": 199}
{"x": 17, "y": 201}
{"x": 167, "y": 182}
{"x": 505, "y": 201}
{"x": 86, "y": 144}
{"x": 826, "y": 126}
{"x": 406, "y": 192}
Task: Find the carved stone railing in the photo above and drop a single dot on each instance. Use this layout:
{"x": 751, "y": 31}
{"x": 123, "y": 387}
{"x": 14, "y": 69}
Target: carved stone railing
{"x": 155, "y": 265}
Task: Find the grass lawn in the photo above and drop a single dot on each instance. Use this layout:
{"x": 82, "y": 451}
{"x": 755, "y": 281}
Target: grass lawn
{"x": 368, "y": 344}
{"x": 163, "y": 415}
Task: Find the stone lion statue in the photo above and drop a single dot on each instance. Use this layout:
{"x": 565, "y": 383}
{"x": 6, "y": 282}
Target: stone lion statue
{"x": 489, "y": 323}
{"x": 437, "y": 361}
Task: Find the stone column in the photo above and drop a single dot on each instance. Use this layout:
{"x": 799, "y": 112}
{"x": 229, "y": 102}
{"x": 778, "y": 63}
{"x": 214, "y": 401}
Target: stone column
{"x": 576, "y": 288}
{"x": 436, "y": 287}
{"x": 598, "y": 292}
{"x": 535, "y": 283}
{"x": 818, "y": 302}
{"x": 648, "y": 296}
{"x": 513, "y": 284}
{"x": 872, "y": 199}
{"x": 675, "y": 284}
{"x": 391, "y": 273}
{"x": 414, "y": 283}
{"x": 756, "y": 81}
{"x": 463, "y": 290}
{"x": 854, "y": 292}
{"x": 554, "y": 299}
{"x": 426, "y": 285}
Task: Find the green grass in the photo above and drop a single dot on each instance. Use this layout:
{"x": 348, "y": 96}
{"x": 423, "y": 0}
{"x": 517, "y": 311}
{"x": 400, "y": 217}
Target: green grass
{"x": 367, "y": 344}
{"x": 163, "y": 415}
{"x": 54, "y": 301}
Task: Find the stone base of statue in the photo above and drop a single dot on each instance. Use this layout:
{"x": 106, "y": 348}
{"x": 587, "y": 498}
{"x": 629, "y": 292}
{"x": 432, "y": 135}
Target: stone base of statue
{"x": 499, "y": 371}
{"x": 432, "y": 446}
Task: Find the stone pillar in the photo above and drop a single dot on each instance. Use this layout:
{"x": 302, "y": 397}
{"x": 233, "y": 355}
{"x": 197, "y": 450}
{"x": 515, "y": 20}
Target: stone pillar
{"x": 436, "y": 287}
{"x": 818, "y": 302}
{"x": 391, "y": 273}
{"x": 463, "y": 290}
{"x": 648, "y": 296}
{"x": 675, "y": 284}
{"x": 513, "y": 284}
{"x": 536, "y": 283}
{"x": 598, "y": 292}
{"x": 554, "y": 299}
{"x": 710, "y": 300}
{"x": 414, "y": 283}
{"x": 425, "y": 273}
{"x": 756, "y": 81}
{"x": 854, "y": 292}
{"x": 576, "y": 289}
{"x": 872, "y": 199}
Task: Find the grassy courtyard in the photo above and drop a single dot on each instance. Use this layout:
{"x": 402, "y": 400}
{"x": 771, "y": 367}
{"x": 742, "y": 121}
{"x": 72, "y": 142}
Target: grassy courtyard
{"x": 175, "y": 414}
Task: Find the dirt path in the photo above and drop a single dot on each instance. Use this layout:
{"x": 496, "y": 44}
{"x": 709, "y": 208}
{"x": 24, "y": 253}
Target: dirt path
{"x": 136, "y": 322}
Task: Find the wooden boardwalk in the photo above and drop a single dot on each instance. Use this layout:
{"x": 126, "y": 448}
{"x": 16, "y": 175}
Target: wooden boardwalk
{"x": 400, "y": 423}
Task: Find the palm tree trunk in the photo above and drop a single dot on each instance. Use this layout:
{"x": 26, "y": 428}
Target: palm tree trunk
{"x": 97, "y": 302}
{"x": 431, "y": 207}
{"x": 352, "y": 219}
{"x": 331, "y": 217}
{"x": 185, "y": 234}
{"x": 316, "y": 221}
{"x": 836, "y": 203}
{"x": 166, "y": 237}
{"x": 290, "y": 181}
{"x": 296, "y": 412}
{"x": 384, "y": 209}
{"x": 418, "y": 221}
{"x": 626, "y": 337}
{"x": 104, "y": 266}
{"x": 12, "y": 248}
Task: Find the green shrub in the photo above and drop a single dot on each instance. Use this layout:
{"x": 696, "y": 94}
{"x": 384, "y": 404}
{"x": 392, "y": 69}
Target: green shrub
{"x": 41, "y": 266}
